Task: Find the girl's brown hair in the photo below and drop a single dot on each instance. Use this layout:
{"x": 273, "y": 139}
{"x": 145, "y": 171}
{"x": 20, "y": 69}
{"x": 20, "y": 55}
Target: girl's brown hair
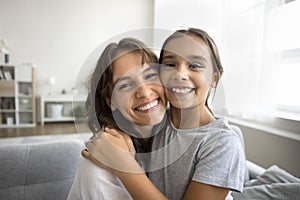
{"x": 215, "y": 57}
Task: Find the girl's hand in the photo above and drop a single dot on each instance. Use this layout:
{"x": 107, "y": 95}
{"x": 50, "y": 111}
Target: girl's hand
{"x": 112, "y": 150}
{"x": 119, "y": 139}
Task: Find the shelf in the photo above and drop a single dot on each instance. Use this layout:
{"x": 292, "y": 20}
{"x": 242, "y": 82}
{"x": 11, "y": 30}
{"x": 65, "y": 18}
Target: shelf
{"x": 17, "y": 96}
{"x": 24, "y": 96}
{"x": 7, "y": 81}
{"x": 47, "y": 119}
{"x": 64, "y": 109}
{"x": 20, "y": 125}
{"x": 7, "y": 111}
{"x": 25, "y": 111}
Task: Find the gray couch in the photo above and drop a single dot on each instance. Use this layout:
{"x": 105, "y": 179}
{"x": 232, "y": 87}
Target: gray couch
{"x": 43, "y": 167}
{"x": 38, "y": 167}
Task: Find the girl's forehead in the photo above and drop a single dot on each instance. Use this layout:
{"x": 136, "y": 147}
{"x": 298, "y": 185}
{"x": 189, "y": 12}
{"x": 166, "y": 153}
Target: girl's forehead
{"x": 185, "y": 46}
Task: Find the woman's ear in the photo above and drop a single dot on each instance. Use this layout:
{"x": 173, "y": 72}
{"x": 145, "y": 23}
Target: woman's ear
{"x": 110, "y": 104}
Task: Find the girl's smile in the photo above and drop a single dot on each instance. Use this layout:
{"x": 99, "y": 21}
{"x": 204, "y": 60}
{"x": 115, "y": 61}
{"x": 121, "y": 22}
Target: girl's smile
{"x": 186, "y": 72}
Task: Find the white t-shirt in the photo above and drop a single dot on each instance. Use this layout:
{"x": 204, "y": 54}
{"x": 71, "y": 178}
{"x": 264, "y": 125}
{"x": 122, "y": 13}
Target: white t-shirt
{"x": 94, "y": 183}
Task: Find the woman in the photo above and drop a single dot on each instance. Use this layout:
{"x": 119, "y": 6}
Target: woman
{"x": 125, "y": 94}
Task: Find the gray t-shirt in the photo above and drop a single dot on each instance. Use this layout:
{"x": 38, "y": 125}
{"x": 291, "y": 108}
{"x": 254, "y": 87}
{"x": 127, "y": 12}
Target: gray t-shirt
{"x": 212, "y": 154}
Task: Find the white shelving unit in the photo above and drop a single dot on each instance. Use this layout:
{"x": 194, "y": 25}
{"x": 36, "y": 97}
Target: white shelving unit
{"x": 66, "y": 100}
{"x": 17, "y": 96}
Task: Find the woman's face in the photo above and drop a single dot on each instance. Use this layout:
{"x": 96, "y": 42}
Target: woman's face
{"x": 186, "y": 72}
{"x": 138, "y": 93}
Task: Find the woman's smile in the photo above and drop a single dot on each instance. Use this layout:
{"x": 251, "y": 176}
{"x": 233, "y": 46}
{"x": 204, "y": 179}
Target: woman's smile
{"x": 148, "y": 106}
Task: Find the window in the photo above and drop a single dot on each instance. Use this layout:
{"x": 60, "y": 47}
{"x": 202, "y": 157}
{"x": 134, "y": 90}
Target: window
{"x": 260, "y": 47}
{"x": 286, "y": 40}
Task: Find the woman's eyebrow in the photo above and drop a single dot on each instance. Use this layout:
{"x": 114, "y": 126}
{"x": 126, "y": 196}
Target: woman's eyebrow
{"x": 147, "y": 68}
{"x": 122, "y": 78}
{"x": 150, "y": 67}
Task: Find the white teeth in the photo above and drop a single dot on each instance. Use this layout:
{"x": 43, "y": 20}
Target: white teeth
{"x": 148, "y": 106}
{"x": 181, "y": 91}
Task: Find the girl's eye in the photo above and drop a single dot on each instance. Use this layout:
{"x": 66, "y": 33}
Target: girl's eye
{"x": 169, "y": 65}
{"x": 151, "y": 76}
{"x": 196, "y": 66}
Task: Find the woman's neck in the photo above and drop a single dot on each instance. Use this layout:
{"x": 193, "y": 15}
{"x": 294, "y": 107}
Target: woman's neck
{"x": 191, "y": 117}
{"x": 145, "y": 131}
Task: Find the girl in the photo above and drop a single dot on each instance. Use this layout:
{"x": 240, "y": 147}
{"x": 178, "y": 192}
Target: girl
{"x": 212, "y": 161}
{"x": 197, "y": 156}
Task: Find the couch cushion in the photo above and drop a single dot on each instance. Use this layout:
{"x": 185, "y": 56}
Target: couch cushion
{"x": 38, "y": 171}
{"x": 13, "y": 162}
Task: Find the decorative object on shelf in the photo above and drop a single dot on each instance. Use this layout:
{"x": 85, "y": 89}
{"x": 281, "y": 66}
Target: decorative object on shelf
{"x": 1, "y": 75}
{"x": 5, "y": 50}
{"x": 7, "y": 75}
{"x": 55, "y": 110}
{"x": 9, "y": 121}
{"x": 51, "y": 82}
{"x": 74, "y": 90}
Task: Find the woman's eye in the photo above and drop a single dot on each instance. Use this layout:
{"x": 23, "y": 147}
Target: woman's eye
{"x": 196, "y": 66}
{"x": 151, "y": 76}
{"x": 125, "y": 86}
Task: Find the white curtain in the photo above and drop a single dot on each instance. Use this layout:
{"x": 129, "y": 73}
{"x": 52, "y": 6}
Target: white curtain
{"x": 252, "y": 39}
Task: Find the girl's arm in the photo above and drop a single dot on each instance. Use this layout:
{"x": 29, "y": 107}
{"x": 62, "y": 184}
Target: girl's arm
{"x": 137, "y": 184}
{"x": 113, "y": 151}
{"x": 199, "y": 191}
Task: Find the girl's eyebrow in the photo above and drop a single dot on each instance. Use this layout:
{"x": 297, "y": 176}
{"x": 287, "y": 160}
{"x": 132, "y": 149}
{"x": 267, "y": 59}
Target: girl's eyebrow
{"x": 196, "y": 57}
{"x": 189, "y": 57}
{"x": 168, "y": 57}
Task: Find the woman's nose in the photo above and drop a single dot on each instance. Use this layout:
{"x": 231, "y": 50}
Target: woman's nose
{"x": 144, "y": 91}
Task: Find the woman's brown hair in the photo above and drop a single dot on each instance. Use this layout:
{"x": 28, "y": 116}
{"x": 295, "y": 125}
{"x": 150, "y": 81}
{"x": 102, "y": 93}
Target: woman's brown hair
{"x": 99, "y": 113}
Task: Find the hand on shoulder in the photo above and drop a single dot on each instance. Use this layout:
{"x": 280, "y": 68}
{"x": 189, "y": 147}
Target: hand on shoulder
{"x": 112, "y": 150}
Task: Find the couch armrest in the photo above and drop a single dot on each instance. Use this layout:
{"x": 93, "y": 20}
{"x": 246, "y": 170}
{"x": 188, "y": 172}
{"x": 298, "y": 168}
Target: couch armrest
{"x": 254, "y": 169}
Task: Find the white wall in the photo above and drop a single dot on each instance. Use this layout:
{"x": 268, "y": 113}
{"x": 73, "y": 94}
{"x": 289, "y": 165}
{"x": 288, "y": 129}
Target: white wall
{"x": 58, "y": 35}
{"x": 267, "y": 149}
{"x": 203, "y": 14}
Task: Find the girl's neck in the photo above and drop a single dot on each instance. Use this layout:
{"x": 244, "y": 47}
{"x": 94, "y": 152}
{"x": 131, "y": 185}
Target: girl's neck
{"x": 191, "y": 118}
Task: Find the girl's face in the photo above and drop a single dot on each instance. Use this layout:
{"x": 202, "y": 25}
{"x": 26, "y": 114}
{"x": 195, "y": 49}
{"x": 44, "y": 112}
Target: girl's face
{"x": 187, "y": 72}
{"x": 138, "y": 93}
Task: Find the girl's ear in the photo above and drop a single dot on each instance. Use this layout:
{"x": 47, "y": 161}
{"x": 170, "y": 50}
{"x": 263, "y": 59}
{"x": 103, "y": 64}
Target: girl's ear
{"x": 216, "y": 78}
{"x": 110, "y": 104}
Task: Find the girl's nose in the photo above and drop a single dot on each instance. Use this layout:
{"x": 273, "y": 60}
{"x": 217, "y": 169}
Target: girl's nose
{"x": 143, "y": 91}
{"x": 181, "y": 74}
